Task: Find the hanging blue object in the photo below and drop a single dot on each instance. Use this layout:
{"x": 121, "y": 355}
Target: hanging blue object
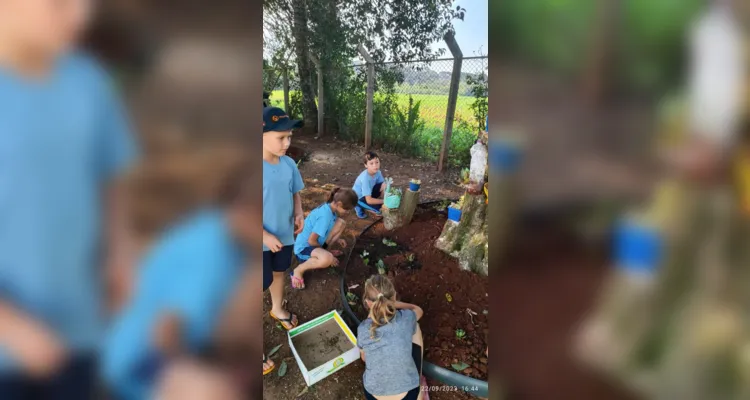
{"x": 505, "y": 155}
{"x": 638, "y": 247}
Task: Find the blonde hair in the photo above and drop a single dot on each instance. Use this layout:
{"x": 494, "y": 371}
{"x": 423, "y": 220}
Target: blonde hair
{"x": 380, "y": 291}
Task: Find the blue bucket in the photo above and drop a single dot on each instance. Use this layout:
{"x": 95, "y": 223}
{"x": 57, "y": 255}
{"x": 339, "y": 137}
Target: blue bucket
{"x": 637, "y": 247}
{"x": 414, "y": 187}
{"x": 504, "y": 156}
{"x": 454, "y": 214}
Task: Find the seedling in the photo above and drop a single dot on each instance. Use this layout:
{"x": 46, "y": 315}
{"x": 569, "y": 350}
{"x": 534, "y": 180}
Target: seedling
{"x": 442, "y": 205}
{"x": 389, "y": 243}
{"x": 351, "y": 298}
{"x": 448, "y": 297}
{"x": 460, "y": 334}
{"x": 460, "y": 366}
{"x": 410, "y": 257}
{"x": 416, "y": 181}
{"x": 364, "y": 256}
{"x": 381, "y": 267}
{"x": 465, "y": 175}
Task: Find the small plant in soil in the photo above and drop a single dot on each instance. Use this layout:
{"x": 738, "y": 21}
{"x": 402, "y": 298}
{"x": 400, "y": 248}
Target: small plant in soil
{"x": 448, "y": 297}
{"x": 460, "y": 334}
{"x": 364, "y": 256}
{"x": 465, "y": 175}
{"x": 389, "y": 243}
{"x": 381, "y": 267}
{"x": 416, "y": 181}
{"x": 351, "y": 298}
{"x": 410, "y": 258}
{"x": 440, "y": 207}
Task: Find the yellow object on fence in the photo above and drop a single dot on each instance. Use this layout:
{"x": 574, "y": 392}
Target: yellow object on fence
{"x": 486, "y": 192}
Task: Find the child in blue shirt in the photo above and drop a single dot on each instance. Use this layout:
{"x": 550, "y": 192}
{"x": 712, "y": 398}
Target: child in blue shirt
{"x": 65, "y": 140}
{"x": 323, "y": 227}
{"x": 282, "y": 212}
{"x": 184, "y": 284}
{"x": 369, "y": 186}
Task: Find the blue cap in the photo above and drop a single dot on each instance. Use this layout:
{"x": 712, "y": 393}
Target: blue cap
{"x": 275, "y": 119}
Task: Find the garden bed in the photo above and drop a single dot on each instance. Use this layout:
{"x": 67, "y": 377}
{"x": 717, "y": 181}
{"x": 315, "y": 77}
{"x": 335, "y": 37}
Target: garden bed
{"x": 431, "y": 279}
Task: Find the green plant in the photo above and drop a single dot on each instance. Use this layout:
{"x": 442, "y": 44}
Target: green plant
{"x": 394, "y": 191}
{"x": 410, "y": 257}
{"x": 389, "y": 243}
{"x": 416, "y": 181}
{"x": 479, "y": 90}
{"x": 441, "y": 206}
{"x": 465, "y": 175}
{"x": 460, "y": 334}
{"x": 381, "y": 267}
{"x": 351, "y": 298}
{"x": 365, "y": 258}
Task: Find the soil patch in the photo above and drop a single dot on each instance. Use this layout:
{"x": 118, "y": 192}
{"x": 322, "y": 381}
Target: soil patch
{"x": 431, "y": 279}
{"x": 321, "y": 344}
{"x": 541, "y": 294}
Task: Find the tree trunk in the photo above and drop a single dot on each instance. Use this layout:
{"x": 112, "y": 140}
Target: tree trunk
{"x": 600, "y": 63}
{"x": 305, "y": 68}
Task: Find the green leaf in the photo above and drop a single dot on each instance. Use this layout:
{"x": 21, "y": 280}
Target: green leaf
{"x": 274, "y": 350}
{"x": 460, "y": 367}
{"x": 282, "y": 368}
{"x": 303, "y": 392}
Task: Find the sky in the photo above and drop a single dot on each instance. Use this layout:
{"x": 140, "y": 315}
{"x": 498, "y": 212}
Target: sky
{"x": 471, "y": 33}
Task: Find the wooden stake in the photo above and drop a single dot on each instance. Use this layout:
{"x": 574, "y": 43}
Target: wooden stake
{"x": 452, "y": 97}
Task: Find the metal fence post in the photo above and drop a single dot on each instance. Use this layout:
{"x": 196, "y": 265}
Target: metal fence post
{"x": 450, "y": 40}
{"x": 321, "y": 96}
{"x": 286, "y": 90}
{"x": 370, "y": 94}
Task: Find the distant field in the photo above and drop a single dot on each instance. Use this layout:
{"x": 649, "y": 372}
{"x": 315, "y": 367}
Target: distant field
{"x": 432, "y": 108}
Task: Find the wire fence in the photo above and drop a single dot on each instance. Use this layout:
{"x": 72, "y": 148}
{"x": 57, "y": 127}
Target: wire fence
{"x": 410, "y": 104}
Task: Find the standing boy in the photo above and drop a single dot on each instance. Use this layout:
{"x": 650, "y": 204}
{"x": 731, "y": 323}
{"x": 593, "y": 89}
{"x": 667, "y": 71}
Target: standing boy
{"x": 282, "y": 211}
{"x": 63, "y": 139}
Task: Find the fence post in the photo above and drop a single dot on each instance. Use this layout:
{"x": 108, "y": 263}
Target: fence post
{"x": 370, "y": 94}
{"x": 450, "y": 40}
{"x": 286, "y": 89}
{"x": 321, "y": 96}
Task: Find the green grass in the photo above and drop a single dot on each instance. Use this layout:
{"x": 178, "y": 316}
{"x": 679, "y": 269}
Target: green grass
{"x": 432, "y": 109}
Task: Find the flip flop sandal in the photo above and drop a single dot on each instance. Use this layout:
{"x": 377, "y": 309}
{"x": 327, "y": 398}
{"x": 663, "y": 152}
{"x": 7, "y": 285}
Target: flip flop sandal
{"x": 299, "y": 282}
{"x": 284, "y": 321}
{"x": 270, "y": 369}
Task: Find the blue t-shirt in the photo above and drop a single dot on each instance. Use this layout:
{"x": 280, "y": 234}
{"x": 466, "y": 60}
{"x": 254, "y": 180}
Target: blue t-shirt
{"x": 389, "y": 366}
{"x": 320, "y": 221}
{"x": 191, "y": 272}
{"x": 365, "y": 182}
{"x": 62, "y": 139}
{"x": 280, "y": 183}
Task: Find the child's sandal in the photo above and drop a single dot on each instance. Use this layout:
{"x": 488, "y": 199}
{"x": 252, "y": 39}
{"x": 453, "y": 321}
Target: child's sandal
{"x": 292, "y": 321}
{"x": 268, "y": 365}
{"x": 297, "y": 283}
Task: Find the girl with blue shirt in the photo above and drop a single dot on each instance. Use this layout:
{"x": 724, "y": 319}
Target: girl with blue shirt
{"x": 369, "y": 186}
{"x": 390, "y": 343}
{"x": 323, "y": 227}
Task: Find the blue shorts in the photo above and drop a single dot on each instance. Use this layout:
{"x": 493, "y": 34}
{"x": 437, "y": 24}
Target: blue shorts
{"x": 305, "y": 254}
{"x": 276, "y": 262}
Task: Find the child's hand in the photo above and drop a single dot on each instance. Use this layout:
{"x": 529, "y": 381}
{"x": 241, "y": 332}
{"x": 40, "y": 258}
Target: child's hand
{"x": 299, "y": 223}
{"x": 342, "y": 242}
{"x": 272, "y": 242}
{"x": 168, "y": 335}
{"x": 38, "y": 350}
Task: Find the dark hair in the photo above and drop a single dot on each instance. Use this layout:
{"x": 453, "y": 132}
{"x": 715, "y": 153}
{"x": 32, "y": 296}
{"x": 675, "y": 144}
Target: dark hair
{"x": 370, "y": 155}
{"x": 347, "y": 197}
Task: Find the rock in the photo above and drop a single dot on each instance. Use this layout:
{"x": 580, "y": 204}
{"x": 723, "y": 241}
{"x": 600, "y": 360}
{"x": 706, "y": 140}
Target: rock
{"x": 483, "y": 360}
{"x": 468, "y": 371}
{"x": 482, "y": 369}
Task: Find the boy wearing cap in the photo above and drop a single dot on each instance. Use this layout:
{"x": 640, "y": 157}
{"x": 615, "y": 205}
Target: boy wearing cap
{"x": 282, "y": 211}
